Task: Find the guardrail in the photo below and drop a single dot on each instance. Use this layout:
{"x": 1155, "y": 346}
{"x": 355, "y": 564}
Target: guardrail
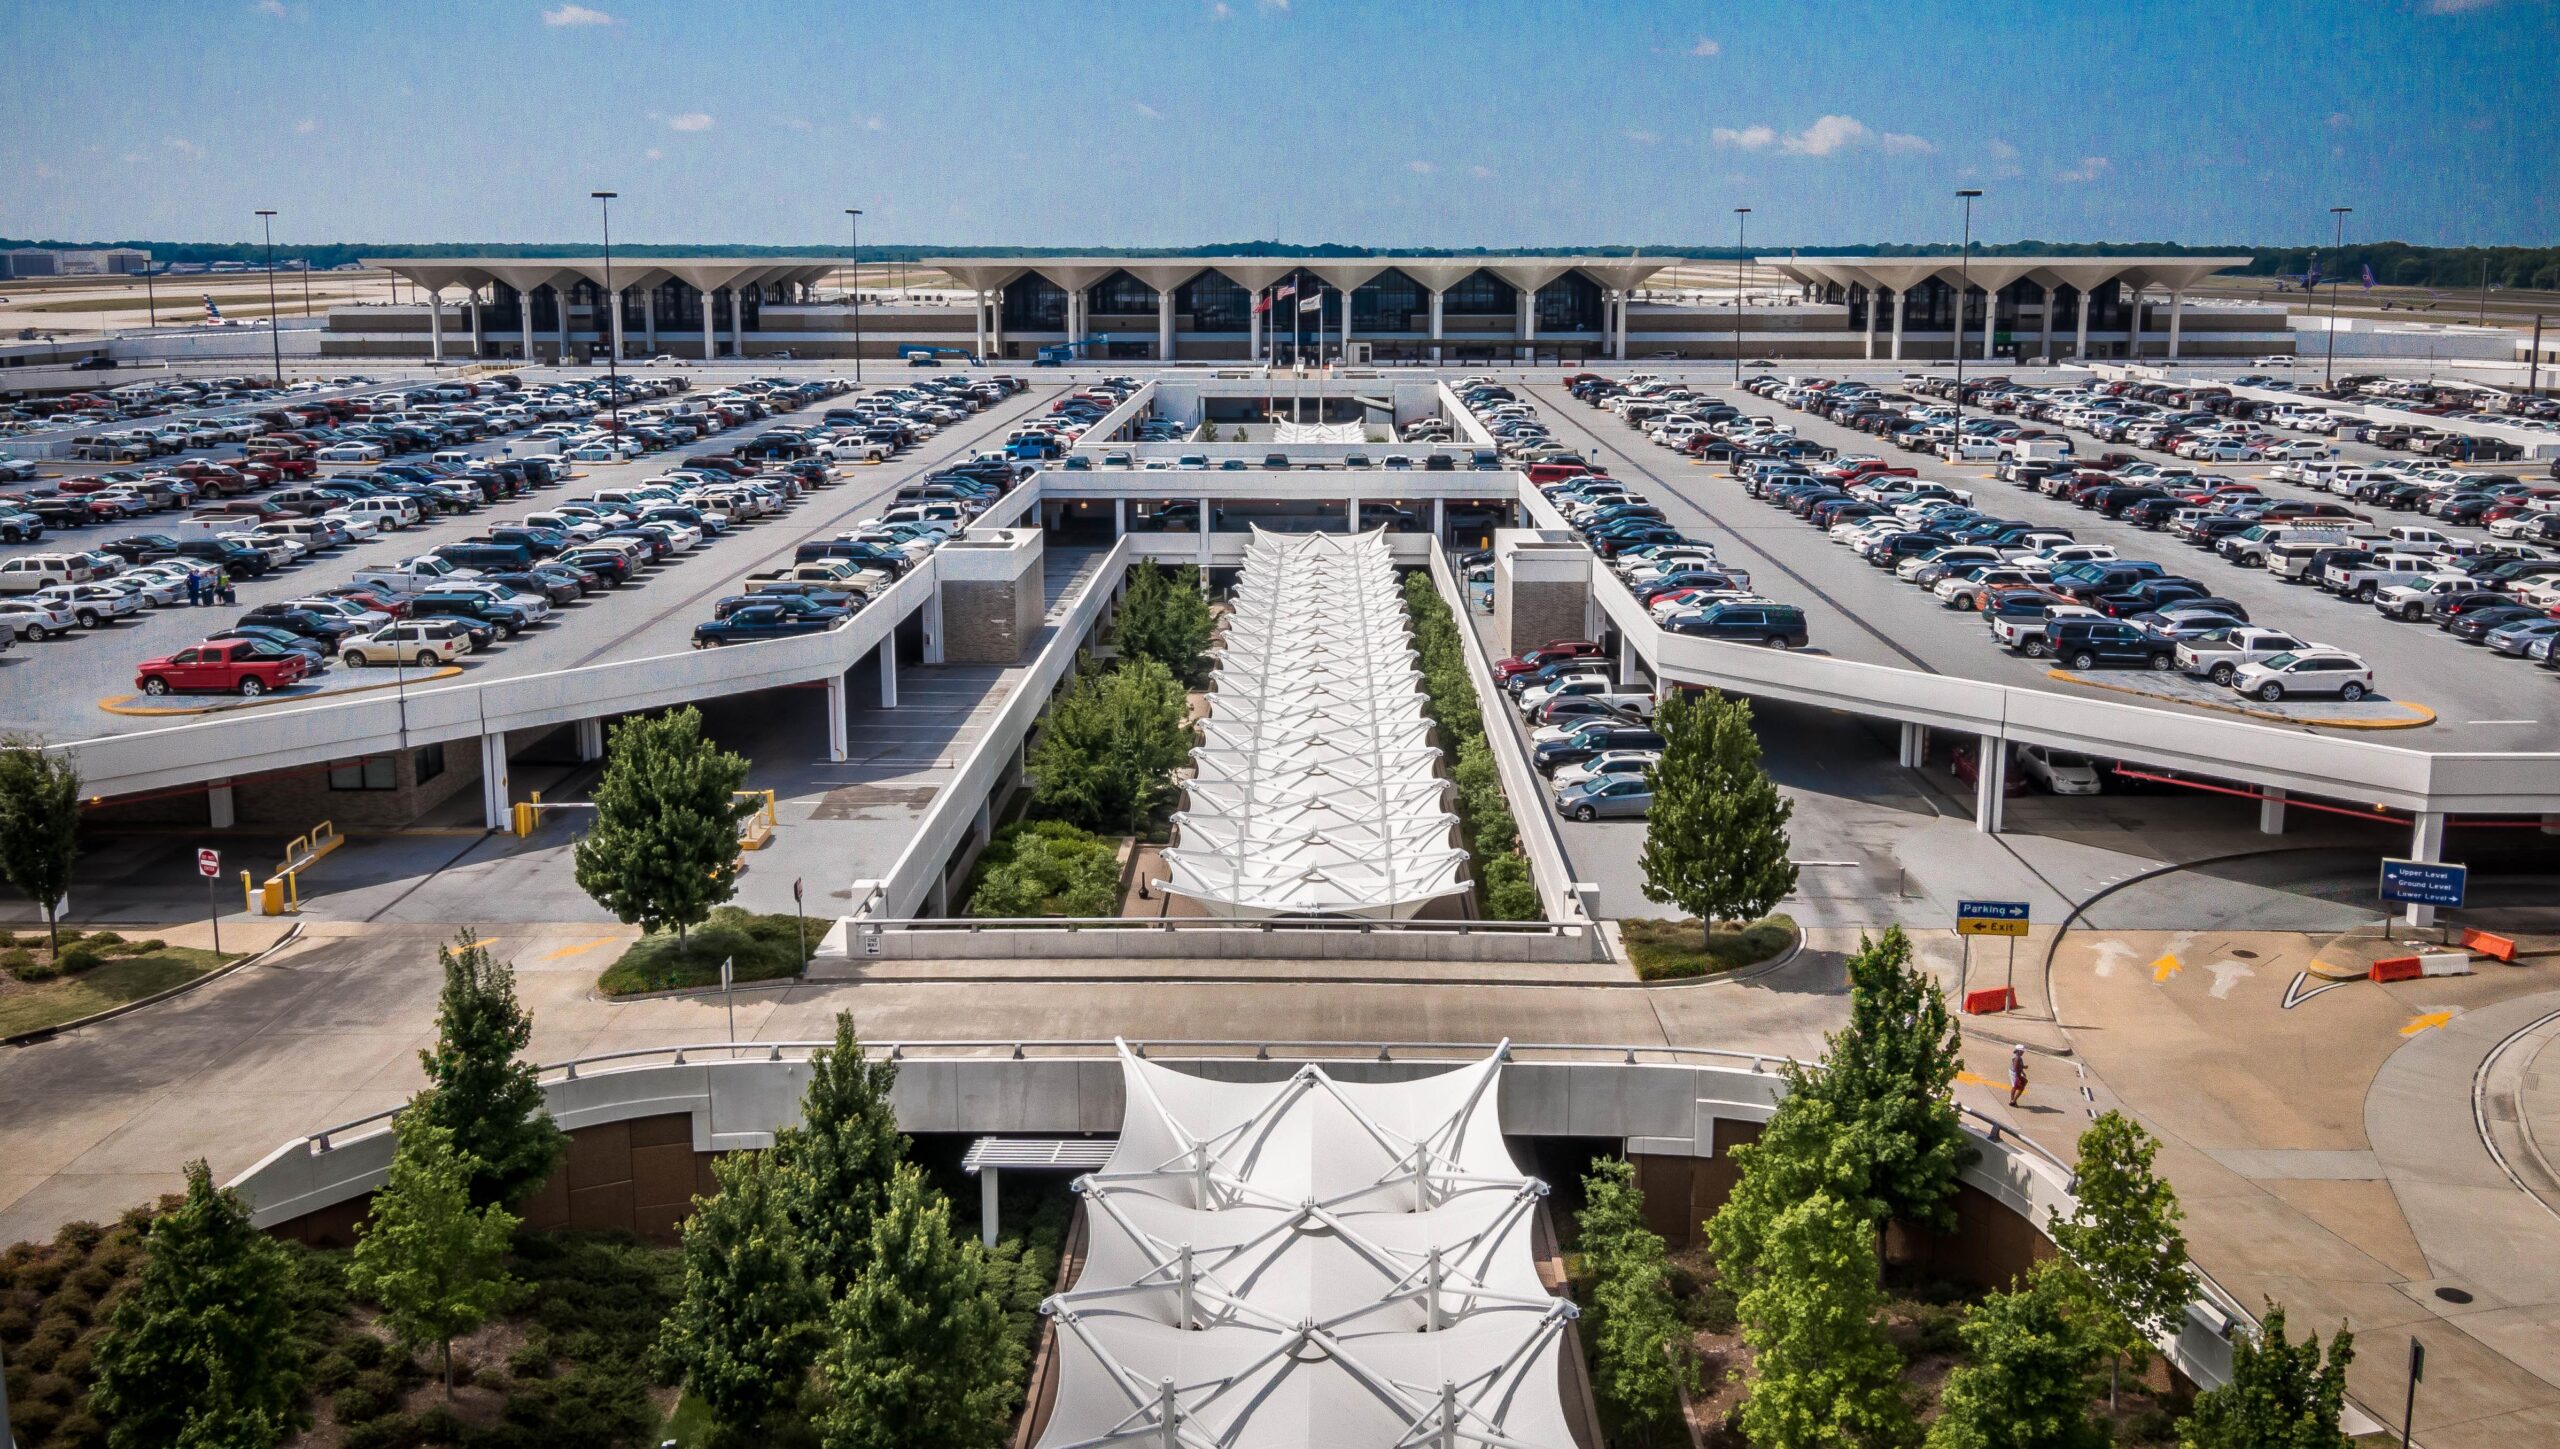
{"x": 954, "y": 810}
{"x": 1564, "y": 898}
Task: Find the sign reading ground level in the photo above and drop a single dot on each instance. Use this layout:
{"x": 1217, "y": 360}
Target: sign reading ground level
{"x": 2424, "y": 882}
{"x": 1991, "y": 918}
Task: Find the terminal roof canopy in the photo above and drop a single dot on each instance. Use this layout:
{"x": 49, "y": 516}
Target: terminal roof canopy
{"x": 1990, "y": 273}
{"x": 438, "y": 275}
{"x": 985, "y": 274}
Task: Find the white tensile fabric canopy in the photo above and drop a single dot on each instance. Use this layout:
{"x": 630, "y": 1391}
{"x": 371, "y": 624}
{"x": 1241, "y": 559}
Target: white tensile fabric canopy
{"x": 1309, "y": 1262}
{"x": 1316, "y": 789}
{"x": 1284, "y": 431}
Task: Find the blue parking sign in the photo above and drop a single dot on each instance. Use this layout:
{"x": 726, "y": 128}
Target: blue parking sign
{"x": 2424, "y": 882}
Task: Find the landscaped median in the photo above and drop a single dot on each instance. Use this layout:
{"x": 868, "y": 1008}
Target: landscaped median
{"x": 95, "y": 972}
{"x": 1680, "y": 950}
{"x": 760, "y": 948}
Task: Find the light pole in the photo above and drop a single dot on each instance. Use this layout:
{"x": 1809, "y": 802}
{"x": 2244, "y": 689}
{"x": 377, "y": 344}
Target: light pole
{"x": 612, "y": 328}
{"x": 854, "y": 213}
{"x": 151, "y": 311}
{"x": 1741, "y": 217}
{"x": 1964, "y": 286}
{"x": 275, "y": 335}
{"x": 2329, "y": 371}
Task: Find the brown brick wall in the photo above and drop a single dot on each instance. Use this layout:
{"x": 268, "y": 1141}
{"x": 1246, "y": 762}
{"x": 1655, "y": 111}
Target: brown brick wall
{"x": 298, "y": 799}
{"x": 985, "y": 622}
{"x": 637, "y": 1177}
{"x": 1534, "y": 614}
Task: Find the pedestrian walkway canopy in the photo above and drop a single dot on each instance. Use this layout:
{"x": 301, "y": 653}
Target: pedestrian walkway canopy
{"x": 1316, "y": 788}
{"x": 1309, "y": 1262}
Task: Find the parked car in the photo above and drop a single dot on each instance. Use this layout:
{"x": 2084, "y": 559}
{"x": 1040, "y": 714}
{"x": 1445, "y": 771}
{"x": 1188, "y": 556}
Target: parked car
{"x": 425, "y": 642}
{"x": 220, "y": 666}
{"x": 2309, "y": 671}
{"x": 1609, "y": 795}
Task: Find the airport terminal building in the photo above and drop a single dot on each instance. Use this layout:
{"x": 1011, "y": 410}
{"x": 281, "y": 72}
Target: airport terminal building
{"x": 1461, "y": 311}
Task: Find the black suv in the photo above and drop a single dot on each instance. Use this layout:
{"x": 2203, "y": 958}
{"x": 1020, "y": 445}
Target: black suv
{"x": 1737, "y": 621}
{"x": 2085, "y": 643}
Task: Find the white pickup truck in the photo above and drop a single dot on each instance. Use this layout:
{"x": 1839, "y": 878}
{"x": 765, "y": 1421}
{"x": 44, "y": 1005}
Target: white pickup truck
{"x": 2408, "y": 601}
{"x": 411, "y": 576}
{"x": 2364, "y": 579}
{"x": 2218, "y": 655}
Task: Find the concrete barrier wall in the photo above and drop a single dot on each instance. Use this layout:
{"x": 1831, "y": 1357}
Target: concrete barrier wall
{"x": 1194, "y": 940}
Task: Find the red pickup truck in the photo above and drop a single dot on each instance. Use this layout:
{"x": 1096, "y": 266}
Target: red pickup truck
{"x": 220, "y": 666}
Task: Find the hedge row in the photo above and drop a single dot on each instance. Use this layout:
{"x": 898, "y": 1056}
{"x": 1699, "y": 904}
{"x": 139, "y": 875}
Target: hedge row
{"x": 1501, "y": 873}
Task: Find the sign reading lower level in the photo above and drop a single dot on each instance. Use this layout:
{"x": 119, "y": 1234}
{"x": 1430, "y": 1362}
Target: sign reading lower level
{"x": 2424, "y": 882}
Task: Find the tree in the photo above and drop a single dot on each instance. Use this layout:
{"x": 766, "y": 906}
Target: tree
{"x": 2281, "y": 1395}
{"x": 664, "y": 847}
{"x": 832, "y": 1171}
{"x": 1639, "y": 1363}
{"x": 2027, "y": 1377}
{"x": 2122, "y": 1251}
{"x": 917, "y": 1356}
{"x": 480, "y": 1088}
{"x": 39, "y": 826}
{"x": 1874, "y": 1126}
{"x": 203, "y": 1350}
{"x": 1164, "y": 617}
{"x": 1825, "y": 1373}
{"x": 435, "y": 1263}
{"x": 1109, "y": 745}
{"x": 746, "y": 1331}
{"x": 1715, "y": 841}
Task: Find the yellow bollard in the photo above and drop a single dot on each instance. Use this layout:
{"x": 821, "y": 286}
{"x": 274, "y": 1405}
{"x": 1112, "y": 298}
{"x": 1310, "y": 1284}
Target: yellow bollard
{"x": 248, "y": 893}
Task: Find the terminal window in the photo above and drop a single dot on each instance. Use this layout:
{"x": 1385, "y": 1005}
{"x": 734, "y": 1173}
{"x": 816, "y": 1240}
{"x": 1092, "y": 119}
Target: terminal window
{"x": 373, "y": 772}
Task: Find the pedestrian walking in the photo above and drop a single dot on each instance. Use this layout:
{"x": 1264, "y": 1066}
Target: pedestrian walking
{"x": 195, "y": 589}
{"x": 222, "y": 590}
{"x": 2017, "y": 1074}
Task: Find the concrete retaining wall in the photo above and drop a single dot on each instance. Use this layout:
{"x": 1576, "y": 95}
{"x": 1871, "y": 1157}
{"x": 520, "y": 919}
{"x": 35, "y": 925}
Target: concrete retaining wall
{"x": 1237, "y": 941}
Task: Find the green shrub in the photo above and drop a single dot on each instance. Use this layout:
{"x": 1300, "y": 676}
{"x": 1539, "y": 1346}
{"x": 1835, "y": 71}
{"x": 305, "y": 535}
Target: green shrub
{"x": 1046, "y": 868}
{"x": 584, "y": 1409}
{"x": 1509, "y": 893}
{"x": 15, "y": 1325}
{"x": 54, "y": 1333}
{"x": 104, "y": 939}
{"x": 76, "y": 959}
{"x": 34, "y": 1421}
{"x": 533, "y": 1361}
{"x": 764, "y": 948}
{"x": 390, "y": 1431}
{"x": 373, "y": 1393}
{"x": 145, "y": 948}
{"x": 22, "y": 964}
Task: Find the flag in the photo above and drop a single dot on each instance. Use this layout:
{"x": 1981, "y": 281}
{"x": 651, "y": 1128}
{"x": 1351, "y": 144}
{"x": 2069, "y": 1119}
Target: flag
{"x": 1262, "y": 304}
{"x": 1312, "y": 304}
{"x": 1285, "y": 289}
{"x": 2368, "y": 276}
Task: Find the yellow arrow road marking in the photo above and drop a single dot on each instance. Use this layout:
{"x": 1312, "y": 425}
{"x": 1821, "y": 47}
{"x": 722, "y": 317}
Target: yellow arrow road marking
{"x": 2420, "y": 1023}
{"x": 580, "y": 949}
{"x": 1971, "y": 1080}
{"x": 2166, "y": 967}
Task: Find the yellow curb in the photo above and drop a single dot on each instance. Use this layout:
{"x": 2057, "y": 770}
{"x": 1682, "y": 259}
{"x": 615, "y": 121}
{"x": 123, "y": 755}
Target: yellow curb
{"x": 112, "y": 707}
{"x": 2068, "y": 677}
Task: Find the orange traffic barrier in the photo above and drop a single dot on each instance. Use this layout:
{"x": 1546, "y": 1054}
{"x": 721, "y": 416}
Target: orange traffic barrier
{"x": 2496, "y": 948}
{"x": 2395, "y": 968}
{"x": 1996, "y": 999}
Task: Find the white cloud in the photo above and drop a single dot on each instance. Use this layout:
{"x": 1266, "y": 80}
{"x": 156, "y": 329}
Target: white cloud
{"x": 1901, "y": 143}
{"x": 575, "y": 15}
{"x": 654, "y": 154}
{"x": 1148, "y": 111}
{"x": 184, "y": 147}
{"x": 2340, "y": 120}
{"x": 2002, "y": 150}
{"x": 133, "y": 158}
{"x": 1706, "y": 48}
{"x": 1749, "y": 138}
{"x": 1222, "y": 11}
{"x": 2090, "y": 168}
{"x": 305, "y": 126}
{"x": 875, "y": 123}
{"x": 1644, "y": 138}
{"x": 796, "y": 123}
{"x": 689, "y": 121}
{"x": 2457, "y": 7}
{"x": 1274, "y": 4}
{"x": 1828, "y": 134}
{"x": 274, "y": 9}
{"x": 1420, "y": 168}
{"x": 1481, "y": 173}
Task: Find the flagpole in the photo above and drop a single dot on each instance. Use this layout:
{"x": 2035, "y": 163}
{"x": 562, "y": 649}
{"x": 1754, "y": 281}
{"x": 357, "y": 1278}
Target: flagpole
{"x": 1297, "y": 356}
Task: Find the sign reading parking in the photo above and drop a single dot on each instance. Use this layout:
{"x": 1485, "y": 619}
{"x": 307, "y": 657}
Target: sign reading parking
{"x": 208, "y": 863}
{"x": 1991, "y": 918}
{"x": 2424, "y": 882}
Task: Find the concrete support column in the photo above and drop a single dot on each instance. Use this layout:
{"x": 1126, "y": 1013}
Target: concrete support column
{"x": 995, "y": 325}
{"x": 2048, "y": 326}
{"x": 2271, "y": 810}
{"x": 933, "y": 635}
{"x": 1204, "y": 543}
{"x": 1253, "y": 324}
{"x": 1990, "y": 321}
{"x": 614, "y": 305}
{"x": 2080, "y": 343}
{"x": 435, "y": 327}
{"x": 1991, "y": 783}
{"x": 1915, "y": 745}
{"x": 888, "y": 652}
{"x": 710, "y": 321}
{"x": 1439, "y": 518}
{"x": 563, "y": 294}
{"x": 524, "y": 318}
{"x": 1871, "y": 323}
{"x": 737, "y": 323}
{"x": 1346, "y": 324}
{"x": 479, "y": 336}
{"x": 497, "y": 801}
{"x": 649, "y": 320}
{"x": 1164, "y": 324}
{"x": 1618, "y": 342}
{"x": 987, "y": 1208}
{"x": 1629, "y": 671}
{"x": 590, "y": 739}
{"x": 1899, "y": 297}
{"x": 1437, "y": 298}
{"x": 1351, "y": 512}
{"x": 839, "y": 700}
{"x": 978, "y": 312}
{"x": 2133, "y": 326}
{"x": 2426, "y": 842}
{"x": 1528, "y": 348}
{"x": 1119, "y": 518}
{"x": 220, "y": 810}
{"x": 2177, "y": 310}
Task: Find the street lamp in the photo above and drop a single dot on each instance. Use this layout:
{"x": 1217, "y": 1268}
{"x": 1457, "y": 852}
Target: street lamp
{"x": 612, "y": 322}
{"x": 1964, "y": 285}
{"x": 1741, "y": 216}
{"x": 2329, "y": 374}
{"x": 275, "y": 335}
{"x": 855, "y": 213}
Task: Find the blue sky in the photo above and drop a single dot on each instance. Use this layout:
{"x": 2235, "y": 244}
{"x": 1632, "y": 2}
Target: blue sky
{"x": 1431, "y": 122}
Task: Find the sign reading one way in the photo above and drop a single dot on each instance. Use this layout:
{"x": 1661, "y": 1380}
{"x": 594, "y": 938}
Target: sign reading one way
{"x": 1991, "y": 918}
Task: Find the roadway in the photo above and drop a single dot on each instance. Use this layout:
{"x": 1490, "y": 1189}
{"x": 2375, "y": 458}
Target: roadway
{"x": 2482, "y": 701}
{"x": 56, "y": 686}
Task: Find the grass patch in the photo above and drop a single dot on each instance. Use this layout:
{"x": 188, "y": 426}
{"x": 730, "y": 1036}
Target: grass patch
{"x": 1674, "y": 950}
{"x": 39, "y": 990}
{"x": 764, "y": 948}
